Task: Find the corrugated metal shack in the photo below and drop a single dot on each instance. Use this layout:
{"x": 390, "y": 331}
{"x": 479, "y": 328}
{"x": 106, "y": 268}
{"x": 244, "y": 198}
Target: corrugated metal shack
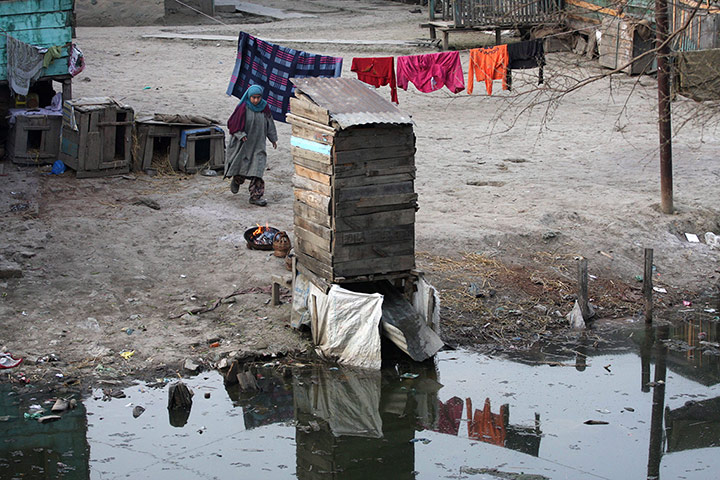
{"x": 43, "y": 23}
{"x": 355, "y": 202}
{"x": 700, "y": 19}
{"x": 354, "y": 157}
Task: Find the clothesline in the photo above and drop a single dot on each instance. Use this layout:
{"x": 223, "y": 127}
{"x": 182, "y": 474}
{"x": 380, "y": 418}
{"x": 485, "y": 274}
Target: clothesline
{"x": 552, "y": 35}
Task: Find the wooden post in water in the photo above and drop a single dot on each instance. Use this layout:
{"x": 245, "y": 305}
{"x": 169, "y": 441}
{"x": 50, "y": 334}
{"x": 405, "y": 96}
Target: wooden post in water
{"x": 647, "y": 285}
{"x": 583, "y": 288}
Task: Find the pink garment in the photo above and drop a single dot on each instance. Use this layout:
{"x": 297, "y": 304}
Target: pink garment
{"x": 431, "y": 72}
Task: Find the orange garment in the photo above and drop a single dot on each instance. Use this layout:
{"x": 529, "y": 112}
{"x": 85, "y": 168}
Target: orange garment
{"x": 486, "y": 426}
{"x": 488, "y": 64}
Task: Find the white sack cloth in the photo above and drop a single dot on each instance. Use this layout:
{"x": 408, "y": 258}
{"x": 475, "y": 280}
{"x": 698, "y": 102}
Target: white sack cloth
{"x": 346, "y": 325}
{"x": 24, "y": 63}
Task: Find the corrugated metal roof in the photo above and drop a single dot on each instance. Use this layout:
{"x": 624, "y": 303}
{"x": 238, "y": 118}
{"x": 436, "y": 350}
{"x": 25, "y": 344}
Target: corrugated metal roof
{"x": 350, "y": 102}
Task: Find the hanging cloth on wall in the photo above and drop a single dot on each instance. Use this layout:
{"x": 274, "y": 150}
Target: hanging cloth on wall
{"x": 523, "y": 55}
{"x": 271, "y": 66}
{"x": 24, "y": 65}
{"x": 76, "y": 61}
{"x": 488, "y": 64}
{"x": 431, "y": 72}
{"x": 377, "y": 71}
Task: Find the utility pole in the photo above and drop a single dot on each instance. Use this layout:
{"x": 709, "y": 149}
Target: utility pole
{"x": 664, "y": 125}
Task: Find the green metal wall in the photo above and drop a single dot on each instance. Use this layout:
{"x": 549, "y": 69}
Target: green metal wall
{"x": 43, "y": 23}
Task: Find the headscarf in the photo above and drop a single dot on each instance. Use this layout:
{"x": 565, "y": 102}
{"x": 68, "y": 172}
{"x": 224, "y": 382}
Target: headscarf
{"x": 253, "y": 90}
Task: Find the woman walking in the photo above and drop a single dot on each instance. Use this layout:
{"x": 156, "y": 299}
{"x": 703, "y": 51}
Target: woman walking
{"x": 250, "y": 124}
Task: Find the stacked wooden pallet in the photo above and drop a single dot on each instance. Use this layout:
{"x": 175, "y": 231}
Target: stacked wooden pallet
{"x": 354, "y": 195}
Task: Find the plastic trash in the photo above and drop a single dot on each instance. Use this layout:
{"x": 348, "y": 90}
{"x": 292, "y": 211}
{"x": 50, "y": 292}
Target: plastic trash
{"x": 127, "y": 354}
{"x": 712, "y": 240}
{"x": 58, "y": 168}
{"x": 8, "y": 361}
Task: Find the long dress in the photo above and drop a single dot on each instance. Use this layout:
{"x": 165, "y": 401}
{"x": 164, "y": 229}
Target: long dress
{"x": 249, "y": 158}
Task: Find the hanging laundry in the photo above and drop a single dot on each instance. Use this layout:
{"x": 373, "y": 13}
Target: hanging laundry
{"x": 524, "y": 55}
{"x": 272, "y": 66}
{"x": 488, "y": 64}
{"x": 378, "y": 72}
{"x": 24, "y": 65}
{"x": 76, "y": 61}
{"x": 51, "y": 53}
{"x": 431, "y": 72}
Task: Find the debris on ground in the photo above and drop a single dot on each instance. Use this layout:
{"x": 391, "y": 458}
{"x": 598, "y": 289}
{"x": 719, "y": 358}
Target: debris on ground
{"x": 7, "y": 360}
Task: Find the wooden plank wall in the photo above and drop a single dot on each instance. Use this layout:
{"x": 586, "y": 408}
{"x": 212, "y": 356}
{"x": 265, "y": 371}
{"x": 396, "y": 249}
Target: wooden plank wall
{"x": 43, "y": 23}
{"x": 354, "y": 196}
{"x": 502, "y": 13}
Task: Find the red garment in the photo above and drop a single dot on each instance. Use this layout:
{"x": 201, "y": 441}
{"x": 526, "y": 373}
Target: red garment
{"x": 431, "y": 72}
{"x": 236, "y": 122}
{"x": 488, "y": 64}
{"x": 378, "y": 71}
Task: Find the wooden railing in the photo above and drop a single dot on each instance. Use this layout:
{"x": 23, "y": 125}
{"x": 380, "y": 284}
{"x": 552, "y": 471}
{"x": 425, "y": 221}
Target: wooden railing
{"x": 473, "y": 13}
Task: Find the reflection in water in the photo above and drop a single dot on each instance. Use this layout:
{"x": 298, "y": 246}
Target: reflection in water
{"x": 272, "y": 403}
{"x": 315, "y": 422}
{"x": 349, "y": 423}
{"x": 694, "y": 425}
{"x": 658, "y": 405}
{"x": 29, "y": 449}
{"x": 352, "y": 422}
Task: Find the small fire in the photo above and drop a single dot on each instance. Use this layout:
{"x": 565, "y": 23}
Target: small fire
{"x": 258, "y": 231}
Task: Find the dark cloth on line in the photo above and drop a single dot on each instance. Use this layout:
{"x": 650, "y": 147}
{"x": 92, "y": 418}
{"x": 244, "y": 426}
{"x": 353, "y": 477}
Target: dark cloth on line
{"x": 524, "y": 55}
{"x": 271, "y": 66}
{"x": 377, "y": 71}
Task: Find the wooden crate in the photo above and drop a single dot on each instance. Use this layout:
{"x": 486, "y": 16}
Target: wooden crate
{"x": 156, "y": 139}
{"x": 34, "y": 140}
{"x": 203, "y": 148}
{"x": 354, "y": 197}
{"x": 96, "y": 137}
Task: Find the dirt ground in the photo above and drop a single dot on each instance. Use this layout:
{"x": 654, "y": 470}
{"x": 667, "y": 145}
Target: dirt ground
{"x": 512, "y": 188}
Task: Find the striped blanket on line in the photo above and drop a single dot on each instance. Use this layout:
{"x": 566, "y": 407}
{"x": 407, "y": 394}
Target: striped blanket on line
{"x": 271, "y": 66}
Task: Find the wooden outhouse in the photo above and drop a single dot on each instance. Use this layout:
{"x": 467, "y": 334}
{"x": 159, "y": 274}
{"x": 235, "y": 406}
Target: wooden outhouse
{"x": 96, "y": 136}
{"x": 355, "y": 202}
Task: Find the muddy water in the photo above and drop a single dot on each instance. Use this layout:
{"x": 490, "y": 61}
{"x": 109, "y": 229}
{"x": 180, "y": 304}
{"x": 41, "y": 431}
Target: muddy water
{"x": 465, "y": 416}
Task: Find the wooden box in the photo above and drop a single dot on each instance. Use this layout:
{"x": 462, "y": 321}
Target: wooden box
{"x": 34, "y": 140}
{"x": 177, "y": 147}
{"x": 157, "y": 146}
{"x": 202, "y": 148}
{"x": 353, "y": 185}
{"x": 96, "y": 137}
